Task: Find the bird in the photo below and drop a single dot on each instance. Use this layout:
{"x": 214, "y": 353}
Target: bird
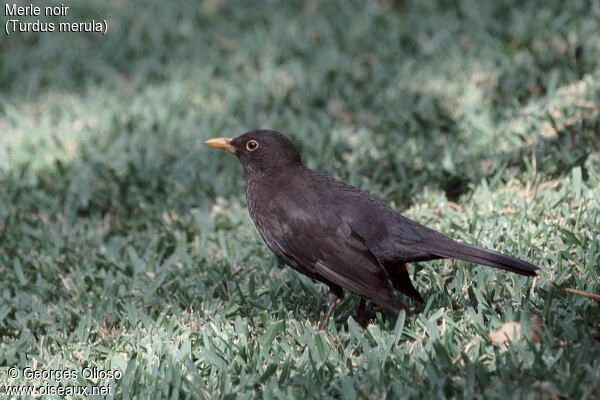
{"x": 338, "y": 234}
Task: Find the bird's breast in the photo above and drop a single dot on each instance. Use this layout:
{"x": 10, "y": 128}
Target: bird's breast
{"x": 258, "y": 207}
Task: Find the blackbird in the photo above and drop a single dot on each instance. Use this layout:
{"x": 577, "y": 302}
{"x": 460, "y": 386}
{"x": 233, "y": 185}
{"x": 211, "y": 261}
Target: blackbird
{"x": 336, "y": 233}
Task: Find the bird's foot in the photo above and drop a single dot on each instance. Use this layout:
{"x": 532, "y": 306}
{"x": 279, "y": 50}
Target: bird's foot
{"x": 334, "y": 302}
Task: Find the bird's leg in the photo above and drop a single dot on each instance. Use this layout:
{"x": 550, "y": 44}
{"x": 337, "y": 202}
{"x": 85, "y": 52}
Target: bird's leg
{"x": 334, "y": 301}
{"x": 361, "y": 313}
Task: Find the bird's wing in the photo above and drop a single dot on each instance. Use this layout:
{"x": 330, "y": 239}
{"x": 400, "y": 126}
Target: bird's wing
{"x": 391, "y": 237}
{"x": 325, "y": 245}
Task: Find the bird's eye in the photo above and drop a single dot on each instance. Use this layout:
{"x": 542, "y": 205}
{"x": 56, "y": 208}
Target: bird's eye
{"x": 251, "y": 145}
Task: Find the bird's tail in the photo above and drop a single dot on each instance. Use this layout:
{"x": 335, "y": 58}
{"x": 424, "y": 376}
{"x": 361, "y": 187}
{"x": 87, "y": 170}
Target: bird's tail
{"x": 470, "y": 253}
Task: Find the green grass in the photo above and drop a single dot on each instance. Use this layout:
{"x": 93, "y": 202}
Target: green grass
{"x": 125, "y": 244}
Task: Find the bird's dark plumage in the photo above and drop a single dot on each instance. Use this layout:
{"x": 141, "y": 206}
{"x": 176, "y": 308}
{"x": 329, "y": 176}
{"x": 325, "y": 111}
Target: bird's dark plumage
{"x": 336, "y": 233}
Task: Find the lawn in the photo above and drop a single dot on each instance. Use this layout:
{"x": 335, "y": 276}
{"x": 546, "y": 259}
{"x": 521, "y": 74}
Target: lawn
{"x": 126, "y": 245}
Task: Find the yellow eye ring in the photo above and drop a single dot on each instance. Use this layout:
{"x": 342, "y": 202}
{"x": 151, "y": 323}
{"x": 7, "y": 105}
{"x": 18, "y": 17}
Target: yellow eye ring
{"x": 252, "y": 145}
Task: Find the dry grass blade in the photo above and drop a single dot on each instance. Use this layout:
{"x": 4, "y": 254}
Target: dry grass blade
{"x": 584, "y": 294}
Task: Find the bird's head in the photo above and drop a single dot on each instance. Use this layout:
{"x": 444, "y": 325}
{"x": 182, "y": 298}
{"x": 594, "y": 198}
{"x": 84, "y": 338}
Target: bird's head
{"x": 260, "y": 151}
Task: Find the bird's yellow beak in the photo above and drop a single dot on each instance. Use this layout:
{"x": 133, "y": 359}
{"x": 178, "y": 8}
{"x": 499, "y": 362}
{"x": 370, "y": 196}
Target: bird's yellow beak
{"x": 221, "y": 143}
